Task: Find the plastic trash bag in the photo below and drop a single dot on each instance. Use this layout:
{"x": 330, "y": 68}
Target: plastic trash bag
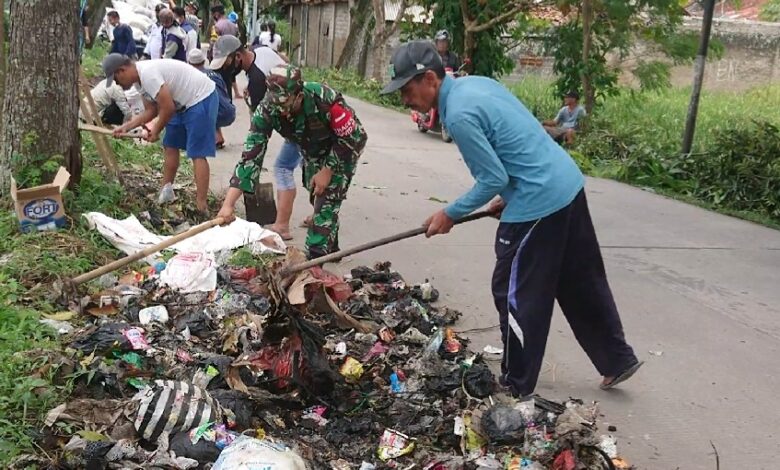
{"x": 248, "y": 453}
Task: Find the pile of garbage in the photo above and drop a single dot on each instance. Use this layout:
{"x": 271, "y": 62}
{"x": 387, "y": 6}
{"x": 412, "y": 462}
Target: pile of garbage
{"x": 292, "y": 371}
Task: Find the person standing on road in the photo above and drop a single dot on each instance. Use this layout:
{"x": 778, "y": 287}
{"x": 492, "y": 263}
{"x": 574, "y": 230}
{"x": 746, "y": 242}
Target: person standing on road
{"x": 191, "y": 40}
{"x": 546, "y": 246}
{"x": 268, "y": 36}
{"x": 191, "y": 9}
{"x": 174, "y": 37}
{"x": 330, "y": 137}
{"x": 185, "y": 103}
{"x": 223, "y": 27}
{"x": 154, "y": 41}
{"x": 226, "y": 113}
{"x": 123, "y": 42}
{"x": 257, "y": 64}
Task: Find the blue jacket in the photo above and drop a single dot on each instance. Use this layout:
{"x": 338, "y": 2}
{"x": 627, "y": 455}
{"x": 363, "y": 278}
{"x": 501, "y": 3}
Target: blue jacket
{"x": 123, "y": 40}
{"x": 174, "y": 35}
{"x": 507, "y": 151}
{"x": 226, "y": 113}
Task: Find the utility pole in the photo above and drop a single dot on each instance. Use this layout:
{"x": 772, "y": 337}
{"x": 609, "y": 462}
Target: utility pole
{"x": 698, "y": 76}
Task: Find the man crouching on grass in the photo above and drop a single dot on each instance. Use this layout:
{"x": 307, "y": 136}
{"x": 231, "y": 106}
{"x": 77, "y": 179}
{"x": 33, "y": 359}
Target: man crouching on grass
{"x": 185, "y": 103}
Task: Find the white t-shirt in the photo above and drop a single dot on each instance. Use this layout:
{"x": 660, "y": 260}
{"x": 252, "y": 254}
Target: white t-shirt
{"x": 191, "y": 42}
{"x": 154, "y": 42}
{"x": 265, "y": 39}
{"x": 266, "y": 59}
{"x": 188, "y": 85}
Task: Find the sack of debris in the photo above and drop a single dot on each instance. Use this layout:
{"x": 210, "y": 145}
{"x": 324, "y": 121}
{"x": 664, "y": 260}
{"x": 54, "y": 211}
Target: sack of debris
{"x": 247, "y": 453}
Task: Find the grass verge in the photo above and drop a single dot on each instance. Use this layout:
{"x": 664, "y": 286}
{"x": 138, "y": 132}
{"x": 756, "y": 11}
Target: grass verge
{"x": 31, "y": 263}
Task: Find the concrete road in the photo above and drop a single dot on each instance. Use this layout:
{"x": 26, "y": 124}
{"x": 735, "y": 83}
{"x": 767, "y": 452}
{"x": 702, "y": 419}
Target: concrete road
{"x": 699, "y": 295}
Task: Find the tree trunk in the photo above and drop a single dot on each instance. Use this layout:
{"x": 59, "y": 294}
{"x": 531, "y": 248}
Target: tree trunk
{"x": 43, "y": 71}
{"x": 469, "y": 44}
{"x": 96, "y": 12}
{"x": 2, "y": 48}
{"x": 587, "y": 40}
{"x": 379, "y": 39}
{"x": 359, "y": 18}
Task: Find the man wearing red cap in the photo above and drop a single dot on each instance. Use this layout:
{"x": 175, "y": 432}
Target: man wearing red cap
{"x": 330, "y": 137}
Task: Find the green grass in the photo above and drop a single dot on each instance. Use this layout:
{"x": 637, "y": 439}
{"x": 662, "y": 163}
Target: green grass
{"x": 350, "y": 83}
{"x": 658, "y": 118}
{"x": 29, "y": 265}
{"x": 93, "y": 58}
{"x": 636, "y": 137}
{"x": 24, "y": 395}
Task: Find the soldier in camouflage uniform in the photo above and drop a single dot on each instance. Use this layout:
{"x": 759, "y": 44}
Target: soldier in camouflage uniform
{"x": 331, "y": 140}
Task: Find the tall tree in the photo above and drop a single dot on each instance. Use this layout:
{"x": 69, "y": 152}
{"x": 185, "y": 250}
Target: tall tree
{"x": 587, "y": 41}
{"x": 481, "y": 16}
{"x": 383, "y": 32}
{"x": 595, "y": 30}
{"x": 40, "y": 117}
{"x": 355, "y": 47}
{"x": 476, "y": 28}
{"x": 96, "y": 12}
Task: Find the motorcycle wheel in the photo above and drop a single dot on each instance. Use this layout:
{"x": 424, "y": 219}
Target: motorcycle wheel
{"x": 445, "y": 136}
{"x": 421, "y": 128}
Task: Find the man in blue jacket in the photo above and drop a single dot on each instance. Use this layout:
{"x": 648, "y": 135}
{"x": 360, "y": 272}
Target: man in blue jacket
{"x": 123, "y": 36}
{"x": 546, "y": 247}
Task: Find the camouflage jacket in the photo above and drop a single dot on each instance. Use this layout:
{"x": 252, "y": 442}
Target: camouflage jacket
{"x": 310, "y": 129}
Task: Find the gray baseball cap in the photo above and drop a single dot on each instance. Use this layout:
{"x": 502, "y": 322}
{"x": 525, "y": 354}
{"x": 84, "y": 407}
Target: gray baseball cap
{"x": 111, "y": 64}
{"x": 409, "y": 60}
{"x": 224, "y": 46}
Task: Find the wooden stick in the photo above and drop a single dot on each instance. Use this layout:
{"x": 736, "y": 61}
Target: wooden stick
{"x": 105, "y": 131}
{"x": 104, "y": 149}
{"x": 382, "y": 241}
{"x": 113, "y": 266}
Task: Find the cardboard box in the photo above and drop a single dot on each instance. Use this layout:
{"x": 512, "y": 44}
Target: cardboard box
{"x": 41, "y": 207}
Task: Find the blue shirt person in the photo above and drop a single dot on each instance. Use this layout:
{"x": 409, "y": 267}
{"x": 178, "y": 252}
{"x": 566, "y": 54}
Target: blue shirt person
{"x": 546, "y": 247}
{"x": 123, "y": 36}
{"x": 567, "y": 121}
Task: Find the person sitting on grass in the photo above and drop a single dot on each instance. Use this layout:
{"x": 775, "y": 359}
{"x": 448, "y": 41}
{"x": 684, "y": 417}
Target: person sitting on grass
{"x": 567, "y": 122}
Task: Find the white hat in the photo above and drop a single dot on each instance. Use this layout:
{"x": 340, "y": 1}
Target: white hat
{"x": 224, "y": 46}
{"x": 196, "y": 57}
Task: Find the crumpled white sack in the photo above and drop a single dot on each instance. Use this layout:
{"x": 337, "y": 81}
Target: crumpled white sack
{"x": 131, "y": 237}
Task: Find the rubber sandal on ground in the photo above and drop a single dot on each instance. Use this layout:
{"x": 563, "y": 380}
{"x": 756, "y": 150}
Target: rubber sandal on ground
{"x": 622, "y": 377}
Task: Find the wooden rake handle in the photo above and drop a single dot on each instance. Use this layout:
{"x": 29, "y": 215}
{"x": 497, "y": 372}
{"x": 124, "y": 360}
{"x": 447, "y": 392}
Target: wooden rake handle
{"x": 113, "y": 266}
{"x": 106, "y": 131}
{"x": 373, "y": 244}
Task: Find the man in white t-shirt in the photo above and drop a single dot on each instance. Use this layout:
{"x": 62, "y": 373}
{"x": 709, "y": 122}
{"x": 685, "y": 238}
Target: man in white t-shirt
{"x": 185, "y": 103}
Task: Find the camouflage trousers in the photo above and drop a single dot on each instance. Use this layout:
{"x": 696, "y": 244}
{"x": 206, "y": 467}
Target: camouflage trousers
{"x": 323, "y": 235}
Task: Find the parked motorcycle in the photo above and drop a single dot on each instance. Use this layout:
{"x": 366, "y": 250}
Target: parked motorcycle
{"x": 430, "y": 121}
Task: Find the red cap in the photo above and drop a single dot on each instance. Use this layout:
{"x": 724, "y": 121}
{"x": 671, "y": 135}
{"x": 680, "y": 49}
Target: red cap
{"x": 341, "y": 120}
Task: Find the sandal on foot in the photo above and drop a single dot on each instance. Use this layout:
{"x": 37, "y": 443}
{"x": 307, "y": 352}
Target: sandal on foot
{"x": 307, "y": 222}
{"x": 282, "y": 233}
{"x": 622, "y": 377}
